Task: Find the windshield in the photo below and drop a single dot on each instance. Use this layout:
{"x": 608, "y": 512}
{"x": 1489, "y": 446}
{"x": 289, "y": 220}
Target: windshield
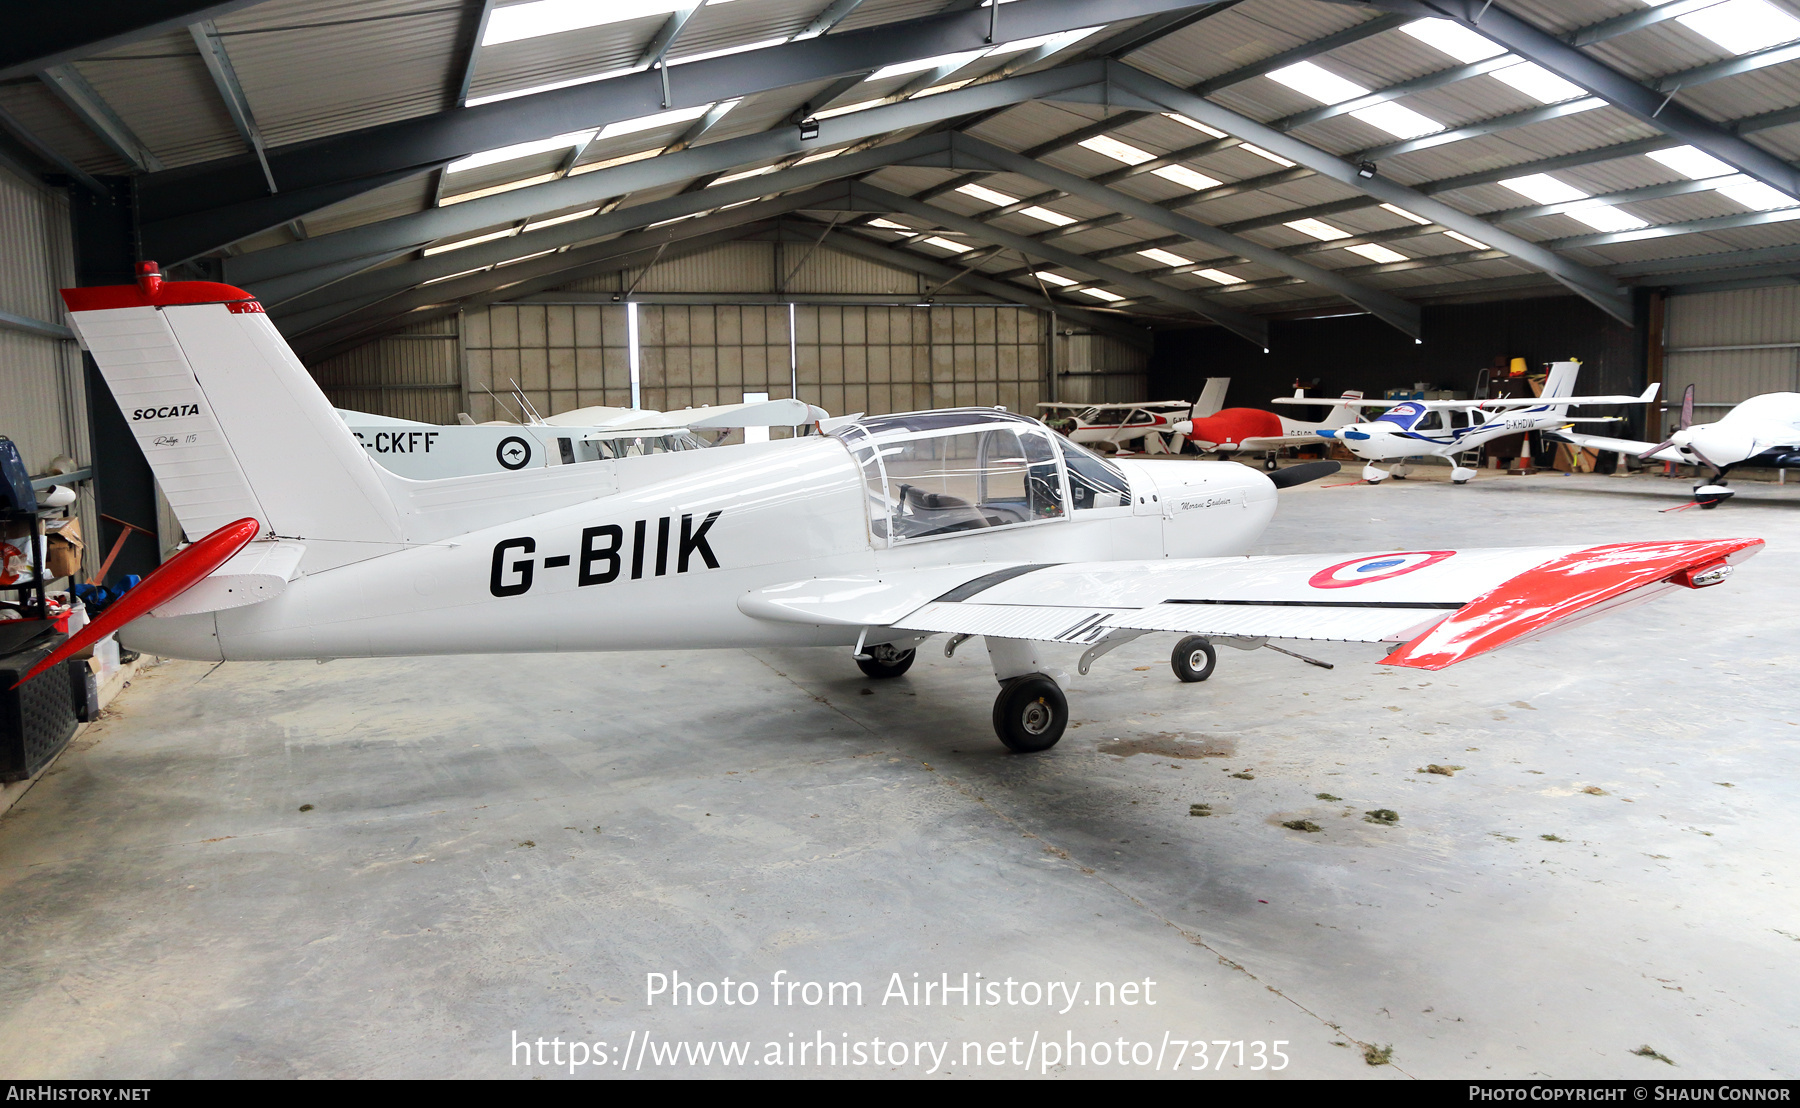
{"x": 1093, "y": 482}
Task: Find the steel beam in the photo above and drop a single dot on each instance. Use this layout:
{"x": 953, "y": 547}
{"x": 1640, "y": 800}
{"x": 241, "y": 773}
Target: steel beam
{"x": 716, "y": 157}
{"x": 225, "y": 79}
{"x": 1390, "y": 309}
{"x": 1300, "y": 53}
{"x": 1246, "y": 326}
{"x": 1483, "y": 127}
{"x": 50, "y": 156}
{"x": 1668, "y": 230}
{"x": 41, "y": 35}
{"x": 92, "y": 109}
{"x": 1597, "y": 287}
{"x": 1648, "y": 105}
{"x": 1692, "y": 264}
{"x": 481, "y": 10}
{"x": 214, "y": 190}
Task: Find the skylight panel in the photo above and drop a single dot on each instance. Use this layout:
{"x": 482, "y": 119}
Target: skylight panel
{"x": 556, "y": 219}
{"x": 921, "y": 65}
{"x": 1544, "y": 188}
{"x": 1757, "y": 196}
{"x": 1102, "y": 294}
{"x": 1406, "y": 215}
{"x": 1397, "y": 120}
{"x": 1539, "y": 83}
{"x": 860, "y": 105}
{"x": 1691, "y": 163}
{"x": 1454, "y": 39}
{"x": 1218, "y": 275}
{"x": 890, "y": 225}
{"x": 519, "y": 150}
{"x": 524, "y": 258}
{"x": 1467, "y": 241}
{"x": 651, "y": 122}
{"x": 1045, "y": 215}
{"x": 1605, "y": 217}
{"x": 461, "y": 243}
{"x": 748, "y": 173}
{"x": 1056, "y": 279}
{"x": 1058, "y": 40}
{"x": 946, "y": 244}
{"x": 1194, "y": 123}
{"x": 477, "y": 101}
{"x": 454, "y": 276}
{"x": 1261, "y": 153}
{"x": 1324, "y": 232}
{"x": 1743, "y": 26}
{"x": 1322, "y": 85}
{"x": 1164, "y": 256}
{"x": 1185, "y": 177}
{"x": 550, "y": 17}
{"x": 1376, "y": 252}
{"x": 821, "y": 156}
{"x": 991, "y": 196}
{"x": 1109, "y": 147}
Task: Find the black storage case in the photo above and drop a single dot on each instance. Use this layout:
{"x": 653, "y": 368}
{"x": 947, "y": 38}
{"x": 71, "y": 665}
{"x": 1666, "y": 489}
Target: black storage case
{"x": 38, "y": 718}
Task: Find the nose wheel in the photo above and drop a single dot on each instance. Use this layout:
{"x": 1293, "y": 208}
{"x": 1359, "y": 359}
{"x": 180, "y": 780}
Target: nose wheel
{"x": 1030, "y": 713}
{"x": 885, "y": 661}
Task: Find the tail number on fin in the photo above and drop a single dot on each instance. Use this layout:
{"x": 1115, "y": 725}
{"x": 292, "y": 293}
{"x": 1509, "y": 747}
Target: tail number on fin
{"x": 602, "y": 555}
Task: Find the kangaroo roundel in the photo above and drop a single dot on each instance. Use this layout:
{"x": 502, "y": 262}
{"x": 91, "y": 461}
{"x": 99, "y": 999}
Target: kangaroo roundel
{"x": 1380, "y": 567}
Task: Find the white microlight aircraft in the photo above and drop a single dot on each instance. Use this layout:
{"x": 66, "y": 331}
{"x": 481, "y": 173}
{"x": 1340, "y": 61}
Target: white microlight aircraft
{"x": 424, "y": 451}
{"x": 1762, "y": 431}
{"x": 875, "y": 536}
{"x": 1446, "y": 428}
{"x": 1156, "y": 422}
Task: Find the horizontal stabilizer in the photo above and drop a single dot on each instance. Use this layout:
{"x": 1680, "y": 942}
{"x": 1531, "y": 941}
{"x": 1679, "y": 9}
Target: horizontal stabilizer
{"x": 259, "y": 572}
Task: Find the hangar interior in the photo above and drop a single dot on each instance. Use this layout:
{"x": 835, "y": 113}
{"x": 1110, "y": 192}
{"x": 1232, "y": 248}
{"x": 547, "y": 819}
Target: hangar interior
{"x": 481, "y": 210}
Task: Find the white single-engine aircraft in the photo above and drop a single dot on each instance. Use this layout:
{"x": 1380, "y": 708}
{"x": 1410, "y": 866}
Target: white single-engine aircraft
{"x": 1762, "y": 431}
{"x": 876, "y": 536}
{"x": 1156, "y": 422}
{"x": 1446, "y": 428}
{"x": 424, "y": 451}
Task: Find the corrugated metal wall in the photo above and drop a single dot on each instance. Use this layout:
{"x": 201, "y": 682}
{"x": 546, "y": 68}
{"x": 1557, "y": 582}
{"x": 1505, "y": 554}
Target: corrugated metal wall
{"x": 43, "y": 398}
{"x": 568, "y": 348}
{"x": 1732, "y": 345}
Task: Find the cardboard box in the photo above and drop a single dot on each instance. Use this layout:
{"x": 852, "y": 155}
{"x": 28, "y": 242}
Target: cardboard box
{"x": 63, "y": 547}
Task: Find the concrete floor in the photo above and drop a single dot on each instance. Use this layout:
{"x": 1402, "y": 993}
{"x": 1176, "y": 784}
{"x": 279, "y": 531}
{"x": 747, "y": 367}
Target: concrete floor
{"x": 507, "y": 846}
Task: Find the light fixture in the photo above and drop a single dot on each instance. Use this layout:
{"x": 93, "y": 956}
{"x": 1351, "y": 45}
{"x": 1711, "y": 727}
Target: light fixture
{"x": 1365, "y": 170}
{"x": 809, "y": 129}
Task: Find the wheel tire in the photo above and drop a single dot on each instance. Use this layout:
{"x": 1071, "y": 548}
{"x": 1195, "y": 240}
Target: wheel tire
{"x": 879, "y": 669}
{"x": 1193, "y": 659}
{"x": 1030, "y": 713}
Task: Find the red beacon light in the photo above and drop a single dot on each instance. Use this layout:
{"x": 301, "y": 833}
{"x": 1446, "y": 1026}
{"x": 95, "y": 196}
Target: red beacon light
{"x": 149, "y": 278}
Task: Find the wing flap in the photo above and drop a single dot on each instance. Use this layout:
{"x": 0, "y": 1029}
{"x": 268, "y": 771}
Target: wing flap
{"x": 1013, "y": 621}
{"x": 1274, "y": 622}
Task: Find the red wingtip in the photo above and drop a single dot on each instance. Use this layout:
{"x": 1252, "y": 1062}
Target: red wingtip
{"x": 1591, "y": 581}
{"x": 159, "y": 586}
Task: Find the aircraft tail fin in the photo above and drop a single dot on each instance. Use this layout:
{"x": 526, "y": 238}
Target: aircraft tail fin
{"x": 1561, "y": 381}
{"x": 1343, "y": 415}
{"x": 232, "y": 424}
{"x": 1212, "y": 398}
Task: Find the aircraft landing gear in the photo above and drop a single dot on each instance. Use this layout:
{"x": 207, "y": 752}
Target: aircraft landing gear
{"x": 1269, "y": 462}
{"x": 1193, "y": 659}
{"x": 1401, "y": 472}
{"x": 1461, "y": 475}
{"x": 1712, "y": 495}
{"x": 885, "y": 661}
{"x": 1374, "y": 476}
{"x": 1030, "y": 713}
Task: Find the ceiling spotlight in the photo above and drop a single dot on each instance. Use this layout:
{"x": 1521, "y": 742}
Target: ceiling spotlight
{"x": 1365, "y": 170}
{"x": 809, "y": 128}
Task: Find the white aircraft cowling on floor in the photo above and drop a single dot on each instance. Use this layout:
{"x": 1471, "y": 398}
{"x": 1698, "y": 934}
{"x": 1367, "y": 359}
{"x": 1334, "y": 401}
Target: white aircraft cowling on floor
{"x": 1446, "y": 428}
{"x": 876, "y": 536}
{"x": 1762, "y": 431}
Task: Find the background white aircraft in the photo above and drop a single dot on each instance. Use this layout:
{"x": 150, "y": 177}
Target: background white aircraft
{"x": 1446, "y": 428}
{"x": 1762, "y": 431}
{"x": 875, "y": 537}
{"x": 1155, "y": 423}
{"x": 424, "y": 451}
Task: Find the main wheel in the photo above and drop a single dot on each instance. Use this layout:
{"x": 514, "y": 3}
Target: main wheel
{"x": 896, "y": 663}
{"x": 1030, "y": 713}
{"x": 1193, "y": 659}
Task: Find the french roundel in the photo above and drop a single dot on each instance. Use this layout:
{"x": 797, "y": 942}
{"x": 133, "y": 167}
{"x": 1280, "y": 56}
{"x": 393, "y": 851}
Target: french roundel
{"x": 1379, "y": 567}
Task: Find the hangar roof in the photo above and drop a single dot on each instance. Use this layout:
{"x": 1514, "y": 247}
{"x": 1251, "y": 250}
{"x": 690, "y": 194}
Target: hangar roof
{"x": 361, "y": 163}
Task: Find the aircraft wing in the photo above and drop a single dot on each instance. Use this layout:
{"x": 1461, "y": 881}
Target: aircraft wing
{"x": 1443, "y": 605}
{"x": 1622, "y": 446}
